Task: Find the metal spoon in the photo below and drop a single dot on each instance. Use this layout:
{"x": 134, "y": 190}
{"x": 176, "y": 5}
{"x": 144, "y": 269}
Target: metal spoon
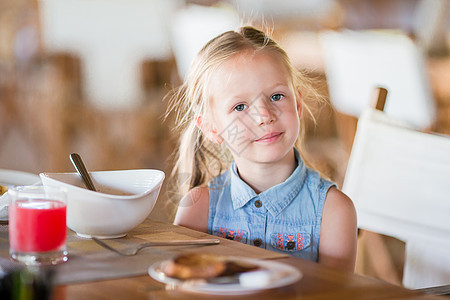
{"x": 76, "y": 160}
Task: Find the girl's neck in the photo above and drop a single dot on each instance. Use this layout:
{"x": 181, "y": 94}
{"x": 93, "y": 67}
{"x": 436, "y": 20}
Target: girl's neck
{"x": 262, "y": 176}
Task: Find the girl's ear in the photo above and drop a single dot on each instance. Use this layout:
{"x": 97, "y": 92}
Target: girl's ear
{"x": 208, "y": 130}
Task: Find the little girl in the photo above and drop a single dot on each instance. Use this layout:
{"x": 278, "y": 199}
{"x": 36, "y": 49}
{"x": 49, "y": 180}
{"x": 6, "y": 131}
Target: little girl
{"x": 241, "y": 115}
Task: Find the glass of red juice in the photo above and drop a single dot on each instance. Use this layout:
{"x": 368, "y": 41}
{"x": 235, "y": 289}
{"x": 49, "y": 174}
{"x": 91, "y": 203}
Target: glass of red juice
{"x": 37, "y": 224}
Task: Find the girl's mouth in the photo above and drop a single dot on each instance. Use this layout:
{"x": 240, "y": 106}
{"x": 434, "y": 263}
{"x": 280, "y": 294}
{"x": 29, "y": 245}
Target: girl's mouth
{"x": 268, "y": 138}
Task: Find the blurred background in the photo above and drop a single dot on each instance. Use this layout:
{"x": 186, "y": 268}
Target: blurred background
{"x": 89, "y": 76}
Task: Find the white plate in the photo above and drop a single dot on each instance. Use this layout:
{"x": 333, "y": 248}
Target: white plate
{"x": 281, "y": 274}
{"x": 13, "y": 177}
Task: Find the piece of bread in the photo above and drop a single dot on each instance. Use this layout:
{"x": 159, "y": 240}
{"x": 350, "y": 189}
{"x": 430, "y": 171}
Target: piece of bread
{"x": 3, "y": 189}
{"x": 188, "y": 266}
{"x": 204, "y": 266}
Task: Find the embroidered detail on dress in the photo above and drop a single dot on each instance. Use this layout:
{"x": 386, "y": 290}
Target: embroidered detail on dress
{"x": 290, "y": 242}
{"x": 300, "y": 241}
{"x": 238, "y": 236}
{"x": 230, "y": 234}
{"x": 235, "y": 235}
{"x": 280, "y": 241}
{"x": 222, "y": 232}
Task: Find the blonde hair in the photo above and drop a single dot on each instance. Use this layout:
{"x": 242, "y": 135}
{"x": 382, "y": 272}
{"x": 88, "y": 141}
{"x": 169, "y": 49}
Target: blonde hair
{"x": 197, "y": 159}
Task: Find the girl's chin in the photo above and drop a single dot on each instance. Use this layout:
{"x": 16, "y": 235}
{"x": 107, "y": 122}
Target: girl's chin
{"x": 267, "y": 156}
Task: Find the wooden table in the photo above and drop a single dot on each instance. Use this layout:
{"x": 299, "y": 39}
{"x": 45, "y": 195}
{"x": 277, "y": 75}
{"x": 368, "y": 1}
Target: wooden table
{"x": 318, "y": 281}
{"x": 93, "y": 272}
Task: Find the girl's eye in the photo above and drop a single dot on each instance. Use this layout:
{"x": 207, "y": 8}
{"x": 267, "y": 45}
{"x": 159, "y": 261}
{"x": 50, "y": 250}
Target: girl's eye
{"x": 240, "y": 107}
{"x": 276, "y": 97}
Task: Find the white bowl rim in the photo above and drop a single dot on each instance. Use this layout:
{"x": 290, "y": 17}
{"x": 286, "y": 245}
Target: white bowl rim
{"x": 134, "y": 196}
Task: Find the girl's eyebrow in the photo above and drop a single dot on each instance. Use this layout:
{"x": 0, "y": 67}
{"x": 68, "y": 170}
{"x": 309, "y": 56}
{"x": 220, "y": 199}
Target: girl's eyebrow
{"x": 280, "y": 84}
{"x": 229, "y": 103}
{"x": 244, "y": 96}
{"x": 234, "y": 99}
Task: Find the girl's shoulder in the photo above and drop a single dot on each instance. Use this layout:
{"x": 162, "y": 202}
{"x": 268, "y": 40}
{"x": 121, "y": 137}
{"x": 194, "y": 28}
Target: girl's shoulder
{"x": 193, "y": 209}
{"x": 338, "y": 200}
{"x": 339, "y": 206}
{"x": 197, "y": 196}
{"x": 199, "y": 192}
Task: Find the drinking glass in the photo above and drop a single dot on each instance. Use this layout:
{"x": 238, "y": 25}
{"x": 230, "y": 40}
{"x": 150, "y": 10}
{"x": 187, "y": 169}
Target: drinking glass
{"x": 37, "y": 224}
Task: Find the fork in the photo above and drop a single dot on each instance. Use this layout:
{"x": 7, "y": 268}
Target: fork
{"x": 135, "y": 249}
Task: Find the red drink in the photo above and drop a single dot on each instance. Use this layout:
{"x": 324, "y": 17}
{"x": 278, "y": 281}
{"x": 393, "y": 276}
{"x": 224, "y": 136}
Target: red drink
{"x": 37, "y": 226}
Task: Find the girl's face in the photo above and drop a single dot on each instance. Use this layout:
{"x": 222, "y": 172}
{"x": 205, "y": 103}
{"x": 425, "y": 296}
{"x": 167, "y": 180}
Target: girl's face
{"x": 255, "y": 109}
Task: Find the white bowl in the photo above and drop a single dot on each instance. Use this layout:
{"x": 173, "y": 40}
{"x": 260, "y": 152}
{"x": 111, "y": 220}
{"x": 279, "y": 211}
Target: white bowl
{"x": 123, "y": 201}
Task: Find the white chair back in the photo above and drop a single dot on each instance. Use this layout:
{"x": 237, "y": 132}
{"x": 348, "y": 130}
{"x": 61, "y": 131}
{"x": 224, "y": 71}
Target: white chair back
{"x": 357, "y": 61}
{"x": 399, "y": 180}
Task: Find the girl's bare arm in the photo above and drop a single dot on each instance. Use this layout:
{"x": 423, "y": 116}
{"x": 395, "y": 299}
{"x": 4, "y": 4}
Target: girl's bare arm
{"x": 193, "y": 210}
{"x": 337, "y": 246}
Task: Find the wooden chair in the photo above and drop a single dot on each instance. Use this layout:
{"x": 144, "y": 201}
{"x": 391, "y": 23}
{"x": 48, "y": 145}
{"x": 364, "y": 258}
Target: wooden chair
{"x": 398, "y": 179}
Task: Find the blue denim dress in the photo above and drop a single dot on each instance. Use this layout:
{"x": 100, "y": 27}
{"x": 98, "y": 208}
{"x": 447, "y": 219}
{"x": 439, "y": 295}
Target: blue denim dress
{"x": 285, "y": 218}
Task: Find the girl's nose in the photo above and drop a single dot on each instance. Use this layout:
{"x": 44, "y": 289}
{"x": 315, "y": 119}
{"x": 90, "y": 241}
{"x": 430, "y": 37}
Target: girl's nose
{"x": 264, "y": 113}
